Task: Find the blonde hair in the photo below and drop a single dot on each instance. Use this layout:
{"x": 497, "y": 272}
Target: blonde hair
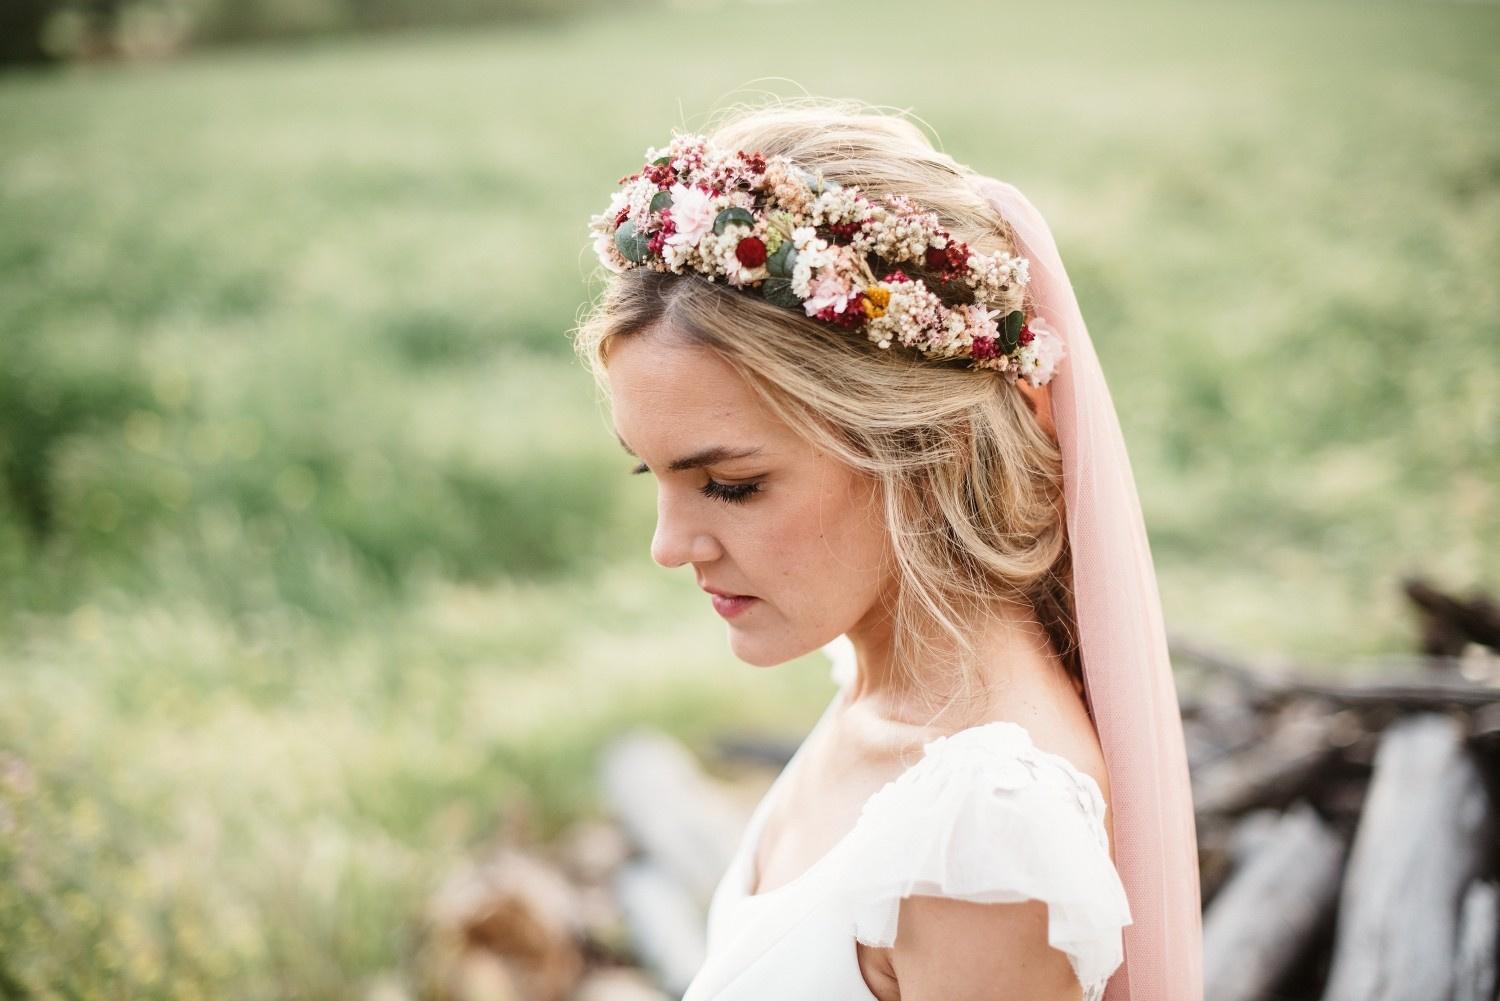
{"x": 971, "y": 482}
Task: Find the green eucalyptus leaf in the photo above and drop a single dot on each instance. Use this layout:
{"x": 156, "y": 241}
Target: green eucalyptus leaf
{"x": 783, "y": 260}
{"x": 661, "y": 200}
{"x": 778, "y": 291}
{"x": 662, "y": 160}
{"x": 733, "y": 214}
{"x": 630, "y": 243}
{"x": 1010, "y": 336}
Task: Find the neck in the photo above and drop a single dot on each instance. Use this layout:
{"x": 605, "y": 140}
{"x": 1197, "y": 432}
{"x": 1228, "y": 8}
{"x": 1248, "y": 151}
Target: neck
{"x": 1011, "y": 654}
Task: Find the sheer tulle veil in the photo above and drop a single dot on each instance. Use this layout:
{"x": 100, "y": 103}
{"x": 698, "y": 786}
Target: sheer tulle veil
{"x": 1127, "y": 673}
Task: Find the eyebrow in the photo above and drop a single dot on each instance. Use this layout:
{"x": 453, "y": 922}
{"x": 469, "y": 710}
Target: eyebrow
{"x": 702, "y": 457}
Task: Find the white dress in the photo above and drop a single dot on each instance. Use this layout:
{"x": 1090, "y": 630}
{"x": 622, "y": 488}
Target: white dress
{"x": 984, "y": 816}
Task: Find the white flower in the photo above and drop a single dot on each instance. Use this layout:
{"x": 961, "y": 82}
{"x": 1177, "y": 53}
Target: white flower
{"x": 692, "y": 214}
{"x": 1038, "y": 360}
{"x": 638, "y": 195}
{"x": 1021, "y": 268}
{"x": 812, "y": 252}
{"x": 720, "y": 250}
{"x": 806, "y": 238}
{"x": 609, "y": 256}
{"x": 836, "y": 205}
{"x": 602, "y": 226}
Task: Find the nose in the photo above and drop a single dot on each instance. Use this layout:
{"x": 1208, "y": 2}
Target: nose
{"x": 680, "y": 536}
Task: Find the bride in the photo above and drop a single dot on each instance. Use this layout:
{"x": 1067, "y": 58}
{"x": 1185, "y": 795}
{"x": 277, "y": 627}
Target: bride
{"x": 857, "y": 373}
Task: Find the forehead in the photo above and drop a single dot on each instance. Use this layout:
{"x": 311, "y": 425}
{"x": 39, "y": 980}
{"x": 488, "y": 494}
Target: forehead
{"x": 665, "y": 390}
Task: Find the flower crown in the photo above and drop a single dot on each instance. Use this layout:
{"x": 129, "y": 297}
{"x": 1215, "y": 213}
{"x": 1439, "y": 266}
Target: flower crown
{"x": 802, "y": 240}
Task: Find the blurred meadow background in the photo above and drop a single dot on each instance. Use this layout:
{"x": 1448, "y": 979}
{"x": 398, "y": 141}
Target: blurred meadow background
{"x": 318, "y": 560}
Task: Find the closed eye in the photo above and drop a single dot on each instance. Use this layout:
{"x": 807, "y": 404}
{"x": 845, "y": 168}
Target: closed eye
{"x": 731, "y": 493}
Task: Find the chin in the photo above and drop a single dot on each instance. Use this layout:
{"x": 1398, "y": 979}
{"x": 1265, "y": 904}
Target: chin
{"x": 751, "y": 652}
{"x": 757, "y": 652}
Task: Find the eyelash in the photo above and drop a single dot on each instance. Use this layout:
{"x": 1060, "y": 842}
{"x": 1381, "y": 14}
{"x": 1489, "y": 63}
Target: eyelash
{"x": 730, "y": 493}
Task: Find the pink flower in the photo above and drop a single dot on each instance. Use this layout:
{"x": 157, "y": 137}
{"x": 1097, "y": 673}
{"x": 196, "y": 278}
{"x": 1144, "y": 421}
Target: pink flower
{"x": 983, "y": 321}
{"x": 1038, "y": 360}
{"x": 693, "y": 212}
{"x": 829, "y": 290}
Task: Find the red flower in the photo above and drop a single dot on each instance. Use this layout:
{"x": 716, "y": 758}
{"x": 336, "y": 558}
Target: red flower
{"x": 984, "y": 347}
{"x": 658, "y": 241}
{"x": 1026, "y": 335}
{"x": 661, "y": 174}
{"x": 843, "y": 233}
{"x": 853, "y": 315}
{"x": 751, "y": 252}
{"x": 952, "y": 258}
{"x": 755, "y": 162}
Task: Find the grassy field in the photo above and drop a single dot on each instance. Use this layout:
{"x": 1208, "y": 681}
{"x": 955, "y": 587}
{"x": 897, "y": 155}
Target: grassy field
{"x": 317, "y": 557}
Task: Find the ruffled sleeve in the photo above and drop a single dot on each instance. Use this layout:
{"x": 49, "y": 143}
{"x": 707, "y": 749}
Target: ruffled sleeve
{"x": 987, "y": 816}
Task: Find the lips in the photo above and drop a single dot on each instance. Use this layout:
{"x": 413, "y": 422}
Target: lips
{"x": 729, "y": 607}
{"x": 725, "y": 594}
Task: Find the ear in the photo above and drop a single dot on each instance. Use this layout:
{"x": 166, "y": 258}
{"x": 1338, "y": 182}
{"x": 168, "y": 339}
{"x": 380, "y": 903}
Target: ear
{"x": 1039, "y": 401}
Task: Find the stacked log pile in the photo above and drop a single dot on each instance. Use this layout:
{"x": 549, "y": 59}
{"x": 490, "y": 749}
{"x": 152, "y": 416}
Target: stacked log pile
{"x": 1347, "y": 830}
{"x": 1347, "y": 841}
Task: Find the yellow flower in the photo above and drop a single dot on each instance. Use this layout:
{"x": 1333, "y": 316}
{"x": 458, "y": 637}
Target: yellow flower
{"x": 876, "y": 299}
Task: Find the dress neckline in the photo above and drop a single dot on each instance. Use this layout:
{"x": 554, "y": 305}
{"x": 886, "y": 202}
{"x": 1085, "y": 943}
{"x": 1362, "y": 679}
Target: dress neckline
{"x": 753, "y": 836}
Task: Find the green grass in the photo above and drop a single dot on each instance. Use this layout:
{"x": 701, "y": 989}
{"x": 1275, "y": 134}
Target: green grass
{"x": 317, "y": 556}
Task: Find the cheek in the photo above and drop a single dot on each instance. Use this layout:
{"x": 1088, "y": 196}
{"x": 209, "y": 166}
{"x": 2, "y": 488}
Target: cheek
{"x": 833, "y": 539}
{"x": 855, "y": 530}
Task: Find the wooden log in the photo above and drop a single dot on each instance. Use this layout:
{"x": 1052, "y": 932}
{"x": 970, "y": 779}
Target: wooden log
{"x": 1272, "y": 772}
{"x": 618, "y": 985}
{"x": 506, "y": 926}
{"x": 1255, "y": 831}
{"x": 1403, "y": 683}
{"x": 590, "y": 850}
{"x": 1259, "y": 924}
{"x": 1255, "y": 685}
{"x": 671, "y": 810}
{"x": 1419, "y": 842}
{"x": 1440, "y": 691}
{"x": 1449, "y": 624}
{"x": 1478, "y": 941}
{"x": 1219, "y": 723}
{"x": 666, "y": 924}
{"x": 1484, "y": 730}
{"x": 1215, "y": 859}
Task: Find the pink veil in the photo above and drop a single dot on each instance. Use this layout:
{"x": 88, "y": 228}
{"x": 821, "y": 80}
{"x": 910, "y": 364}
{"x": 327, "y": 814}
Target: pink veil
{"x": 1127, "y": 674}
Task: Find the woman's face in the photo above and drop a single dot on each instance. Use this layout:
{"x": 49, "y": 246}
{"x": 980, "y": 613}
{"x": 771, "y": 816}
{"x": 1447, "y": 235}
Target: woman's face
{"x": 753, "y": 508}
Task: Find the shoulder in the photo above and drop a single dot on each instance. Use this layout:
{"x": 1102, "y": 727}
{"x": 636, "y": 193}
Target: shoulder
{"x": 988, "y": 863}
